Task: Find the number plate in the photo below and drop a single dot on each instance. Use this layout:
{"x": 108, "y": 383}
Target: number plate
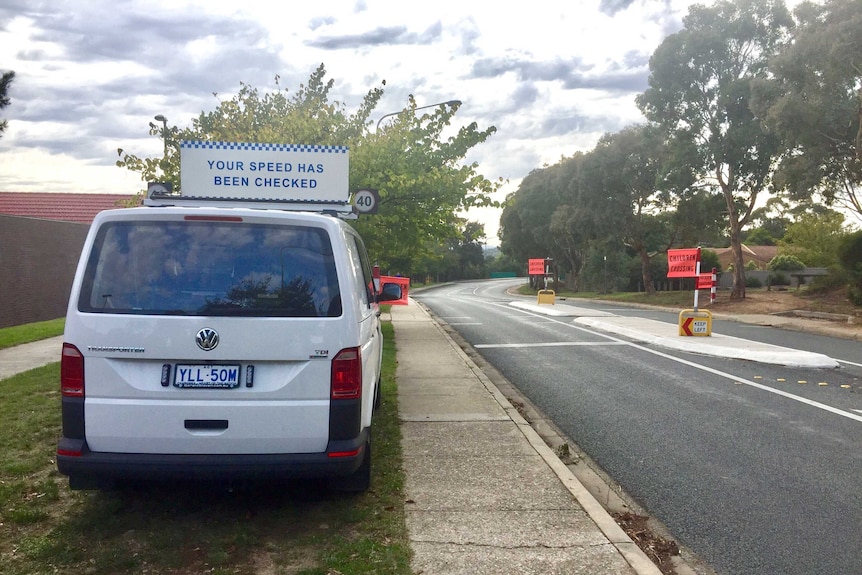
{"x": 206, "y": 376}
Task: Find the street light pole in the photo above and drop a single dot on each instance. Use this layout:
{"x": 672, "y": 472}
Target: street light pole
{"x": 164, "y": 121}
{"x": 446, "y": 103}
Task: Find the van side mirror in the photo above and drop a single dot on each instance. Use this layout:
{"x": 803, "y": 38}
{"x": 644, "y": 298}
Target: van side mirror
{"x": 390, "y": 292}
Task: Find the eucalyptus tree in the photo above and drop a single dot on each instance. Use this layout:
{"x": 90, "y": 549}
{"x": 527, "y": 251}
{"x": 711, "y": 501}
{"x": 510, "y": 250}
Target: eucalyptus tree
{"x": 548, "y": 217}
{"x": 420, "y": 175}
{"x": 814, "y": 102}
{"x": 582, "y": 219}
{"x": 699, "y": 93}
{"x": 699, "y": 219}
{"x": 632, "y": 198}
{"x": 525, "y": 224}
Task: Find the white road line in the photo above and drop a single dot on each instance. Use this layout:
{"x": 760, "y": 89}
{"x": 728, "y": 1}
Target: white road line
{"x": 848, "y": 362}
{"x": 549, "y": 344}
{"x": 717, "y": 372}
{"x": 465, "y": 323}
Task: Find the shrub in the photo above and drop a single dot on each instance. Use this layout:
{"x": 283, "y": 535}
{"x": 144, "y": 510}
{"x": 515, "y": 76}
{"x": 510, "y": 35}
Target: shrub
{"x": 778, "y": 279}
{"x": 709, "y": 260}
{"x": 785, "y": 263}
{"x": 850, "y": 253}
{"x": 753, "y": 282}
{"x": 850, "y": 258}
{"x": 835, "y": 279}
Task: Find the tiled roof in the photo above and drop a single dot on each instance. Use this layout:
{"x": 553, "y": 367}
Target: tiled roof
{"x": 79, "y": 208}
{"x": 761, "y": 255}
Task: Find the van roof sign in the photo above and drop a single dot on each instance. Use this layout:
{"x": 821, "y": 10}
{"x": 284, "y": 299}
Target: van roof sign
{"x": 267, "y": 173}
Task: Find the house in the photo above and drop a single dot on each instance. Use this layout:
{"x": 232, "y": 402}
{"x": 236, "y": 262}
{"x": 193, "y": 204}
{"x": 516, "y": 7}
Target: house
{"x": 760, "y": 255}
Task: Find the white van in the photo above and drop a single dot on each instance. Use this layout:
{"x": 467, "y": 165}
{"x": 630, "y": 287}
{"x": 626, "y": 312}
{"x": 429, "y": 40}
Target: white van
{"x": 216, "y": 343}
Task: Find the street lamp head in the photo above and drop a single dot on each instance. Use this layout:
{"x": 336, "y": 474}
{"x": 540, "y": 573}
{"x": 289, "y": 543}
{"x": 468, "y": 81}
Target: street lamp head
{"x": 160, "y": 118}
{"x": 446, "y": 103}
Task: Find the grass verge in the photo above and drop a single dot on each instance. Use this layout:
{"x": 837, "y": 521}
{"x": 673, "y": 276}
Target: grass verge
{"x": 293, "y": 528}
{"x": 16, "y": 335}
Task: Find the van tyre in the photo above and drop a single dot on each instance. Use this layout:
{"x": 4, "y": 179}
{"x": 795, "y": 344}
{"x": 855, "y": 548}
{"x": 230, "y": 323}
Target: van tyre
{"x": 360, "y": 480}
{"x": 378, "y": 399}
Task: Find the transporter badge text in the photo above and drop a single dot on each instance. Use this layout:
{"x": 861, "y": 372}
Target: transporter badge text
{"x": 115, "y": 349}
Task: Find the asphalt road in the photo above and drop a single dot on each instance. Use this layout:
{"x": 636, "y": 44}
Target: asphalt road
{"x": 753, "y": 482}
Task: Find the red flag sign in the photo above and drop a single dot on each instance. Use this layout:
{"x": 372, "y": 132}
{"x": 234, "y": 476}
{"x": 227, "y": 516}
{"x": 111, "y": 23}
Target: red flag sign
{"x": 704, "y": 281}
{"x": 682, "y": 263}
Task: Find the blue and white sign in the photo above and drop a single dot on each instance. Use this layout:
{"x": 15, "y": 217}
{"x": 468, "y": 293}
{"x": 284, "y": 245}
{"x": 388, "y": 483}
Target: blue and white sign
{"x": 241, "y": 170}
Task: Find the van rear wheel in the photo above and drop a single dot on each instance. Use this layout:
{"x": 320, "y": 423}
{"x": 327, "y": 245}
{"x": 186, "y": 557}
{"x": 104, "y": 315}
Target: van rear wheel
{"x": 378, "y": 399}
{"x": 360, "y": 480}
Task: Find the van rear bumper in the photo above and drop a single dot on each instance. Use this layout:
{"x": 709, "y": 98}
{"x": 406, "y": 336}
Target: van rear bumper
{"x": 97, "y": 470}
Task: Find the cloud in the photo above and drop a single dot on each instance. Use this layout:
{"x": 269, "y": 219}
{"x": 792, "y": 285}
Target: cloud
{"x": 611, "y": 7}
{"x": 321, "y": 21}
{"x": 384, "y": 36}
{"x": 524, "y": 96}
{"x": 573, "y": 74}
{"x": 576, "y": 123}
{"x": 468, "y": 33}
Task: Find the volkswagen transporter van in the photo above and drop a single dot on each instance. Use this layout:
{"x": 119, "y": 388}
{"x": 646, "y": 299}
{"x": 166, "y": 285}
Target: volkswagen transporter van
{"x": 215, "y": 343}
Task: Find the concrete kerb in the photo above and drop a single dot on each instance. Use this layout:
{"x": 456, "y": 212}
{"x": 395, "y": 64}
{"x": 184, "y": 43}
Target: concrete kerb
{"x": 633, "y": 555}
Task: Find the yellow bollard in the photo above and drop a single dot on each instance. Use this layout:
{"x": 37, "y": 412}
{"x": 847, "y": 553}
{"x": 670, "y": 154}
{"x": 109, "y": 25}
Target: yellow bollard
{"x": 547, "y": 296}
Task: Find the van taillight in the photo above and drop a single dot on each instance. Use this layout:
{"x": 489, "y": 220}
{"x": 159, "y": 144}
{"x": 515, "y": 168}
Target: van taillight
{"x": 71, "y": 371}
{"x": 346, "y": 381}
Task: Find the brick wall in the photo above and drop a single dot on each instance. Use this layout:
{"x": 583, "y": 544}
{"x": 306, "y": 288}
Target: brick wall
{"x": 37, "y": 264}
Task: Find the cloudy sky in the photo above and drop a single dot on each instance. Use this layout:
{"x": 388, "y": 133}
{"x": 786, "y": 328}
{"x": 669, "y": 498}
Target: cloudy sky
{"x": 551, "y": 76}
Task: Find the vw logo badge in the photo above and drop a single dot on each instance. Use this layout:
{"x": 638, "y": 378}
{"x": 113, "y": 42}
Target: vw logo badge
{"x": 207, "y": 339}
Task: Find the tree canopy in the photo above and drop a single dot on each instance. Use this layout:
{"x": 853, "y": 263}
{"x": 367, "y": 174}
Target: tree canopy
{"x": 813, "y": 102}
{"x": 413, "y": 162}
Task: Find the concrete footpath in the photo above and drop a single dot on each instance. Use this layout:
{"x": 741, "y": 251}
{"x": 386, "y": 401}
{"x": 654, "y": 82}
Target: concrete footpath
{"x": 30, "y": 356}
{"x": 485, "y": 494}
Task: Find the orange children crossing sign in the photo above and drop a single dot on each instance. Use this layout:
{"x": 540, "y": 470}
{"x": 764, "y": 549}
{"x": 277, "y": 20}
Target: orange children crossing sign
{"x": 536, "y": 266}
{"x": 683, "y": 263}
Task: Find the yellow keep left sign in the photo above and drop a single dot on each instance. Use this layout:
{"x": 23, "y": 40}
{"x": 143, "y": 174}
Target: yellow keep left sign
{"x": 695, "y": 323}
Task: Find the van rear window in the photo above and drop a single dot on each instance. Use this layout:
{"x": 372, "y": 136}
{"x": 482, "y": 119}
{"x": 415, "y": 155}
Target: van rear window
{"x": 211, "y": 269}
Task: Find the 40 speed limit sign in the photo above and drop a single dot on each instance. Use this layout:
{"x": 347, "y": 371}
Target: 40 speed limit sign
{"x": 365, "y": 201}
